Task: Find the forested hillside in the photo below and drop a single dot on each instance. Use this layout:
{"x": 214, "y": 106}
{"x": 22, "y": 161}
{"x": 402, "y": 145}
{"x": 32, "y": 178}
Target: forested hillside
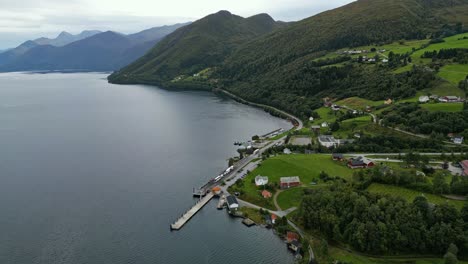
{"x": 204, "y": 43}
{"x": 278, "y": 68}
{"x": 381, "y": 224}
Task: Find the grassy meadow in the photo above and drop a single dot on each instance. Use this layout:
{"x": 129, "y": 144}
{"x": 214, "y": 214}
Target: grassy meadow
{"x": 409, "y": 195}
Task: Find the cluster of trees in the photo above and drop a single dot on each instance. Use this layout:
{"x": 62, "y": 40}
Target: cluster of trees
{"x": 390, "y": 144}
{"x": 459, "y": 55}
{"x": 413, "y": 118}
{"x": 330, "y": 61}
{"x": 379, "y": 224}
{"x": 414, "y": 180}
{"x": 397, "y": 60}
{"x": 448, "y": 30}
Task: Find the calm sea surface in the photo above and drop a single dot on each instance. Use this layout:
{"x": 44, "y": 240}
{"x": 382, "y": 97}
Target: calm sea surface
{"x": 92, "y": 172}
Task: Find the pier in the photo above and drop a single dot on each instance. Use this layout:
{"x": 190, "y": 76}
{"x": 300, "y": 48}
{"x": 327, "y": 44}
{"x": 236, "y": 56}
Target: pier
{"x": 226, "y": 179}
{"x": 177, "y": 225}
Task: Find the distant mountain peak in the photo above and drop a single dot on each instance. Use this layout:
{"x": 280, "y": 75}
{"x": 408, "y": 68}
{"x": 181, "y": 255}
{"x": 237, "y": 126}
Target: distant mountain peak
{"x": 64, "y": 34}
{"x": 224, "y": 13}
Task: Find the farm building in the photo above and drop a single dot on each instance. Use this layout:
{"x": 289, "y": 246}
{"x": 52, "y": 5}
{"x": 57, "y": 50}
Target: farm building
{"x": 360, "y": 162}
{"x": 261, "y": 180}
{"x": 337, "y": 156}
{"x": 232, "y": 202}
{"x": 288, "y": 182}
{"x": 388, "y": 101}
{"x": 328, "y": 141}
{"x": 464, "y": 165}
{"x": 449, "y": 99}
{"x": 424, "y": 99}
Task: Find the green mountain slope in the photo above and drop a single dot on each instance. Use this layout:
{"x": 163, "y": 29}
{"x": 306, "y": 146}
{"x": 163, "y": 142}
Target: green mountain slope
{"x": 276, "y": 68}
{"x": 204, "y": 43}
{"x": 276, "y": 64}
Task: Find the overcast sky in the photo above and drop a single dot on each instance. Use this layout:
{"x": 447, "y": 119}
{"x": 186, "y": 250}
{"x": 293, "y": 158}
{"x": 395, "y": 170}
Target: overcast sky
{"x": 21, "y": 20}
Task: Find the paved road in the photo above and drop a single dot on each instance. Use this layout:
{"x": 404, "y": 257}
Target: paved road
{"x": 300, "y": 124}
{"x": 402, "y": 154}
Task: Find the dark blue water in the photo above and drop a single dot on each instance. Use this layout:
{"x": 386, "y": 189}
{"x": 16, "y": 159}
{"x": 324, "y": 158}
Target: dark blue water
{"x": 94, "y": 173}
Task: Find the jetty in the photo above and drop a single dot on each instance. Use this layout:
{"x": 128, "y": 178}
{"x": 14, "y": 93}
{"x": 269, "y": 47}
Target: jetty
{"x": 248, "y": 222}
{"x": 179, "y": 223}
{"x": 221, "y": 202}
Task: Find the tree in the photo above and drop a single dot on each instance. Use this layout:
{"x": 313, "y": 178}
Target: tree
{"x": 449, "y": 258}
{"x": 464, "y": 213}
{"x": 256, "y": 137}
{"x": 324, "y": 247}
{"x": 452, "y": 249}
{"x": 439, "y": 185}
{"x": 335, "y": 126}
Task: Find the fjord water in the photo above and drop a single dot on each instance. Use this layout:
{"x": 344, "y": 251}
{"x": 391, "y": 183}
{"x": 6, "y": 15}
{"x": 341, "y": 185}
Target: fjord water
{"x": 92, "y": 172}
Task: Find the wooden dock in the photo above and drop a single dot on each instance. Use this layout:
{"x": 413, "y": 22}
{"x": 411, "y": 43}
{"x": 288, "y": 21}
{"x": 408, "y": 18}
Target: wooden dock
{"x": 179, "y": 223}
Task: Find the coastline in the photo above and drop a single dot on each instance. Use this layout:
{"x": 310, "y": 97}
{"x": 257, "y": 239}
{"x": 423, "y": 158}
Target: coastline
{"x": 297, "y": 125}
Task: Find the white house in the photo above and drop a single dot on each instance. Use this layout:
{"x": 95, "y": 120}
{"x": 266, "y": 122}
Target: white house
{"x": 423, "y": 99}
{"x": 458, "y": 140}
{"x": 324, "y": 124}
{"x": 261, "y": 180}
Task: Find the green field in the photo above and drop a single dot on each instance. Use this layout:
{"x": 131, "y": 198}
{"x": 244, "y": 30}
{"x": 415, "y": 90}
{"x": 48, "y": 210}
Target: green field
{"x": 454, "y": 73}
{"x": 290, "y": 198}
{"x": 343, "y": 255}
{"x": 307, "y": 167}
{"x": 450, "y": 43}
{"x": 409, "y": 195}
{"x": 446, "y": 88}
{"x": 404, "y": 69}
{"x": 326, "y": 115}
{"x": 358, "y": 103}
{"x": 443, "y": 107}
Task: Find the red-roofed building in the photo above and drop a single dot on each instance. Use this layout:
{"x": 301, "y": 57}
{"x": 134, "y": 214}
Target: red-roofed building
{"x": 464, "y": 165}
{"x": 273, "y": 218}
{"x": 266, "y": 194}
{"x": 291, "y": 236}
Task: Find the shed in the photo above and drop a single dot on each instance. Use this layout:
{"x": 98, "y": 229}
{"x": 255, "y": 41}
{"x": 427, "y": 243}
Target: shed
{"x": 273, "y": 218}
{"x": 232, "y": 202}
{"x": 266, "y": 194}
{"x": 295, "y": 246}
{"x": 337, "y": 156}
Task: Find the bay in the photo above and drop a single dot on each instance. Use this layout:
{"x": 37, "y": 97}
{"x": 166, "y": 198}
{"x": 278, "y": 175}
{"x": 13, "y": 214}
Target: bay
{"x": 92, "y": 172}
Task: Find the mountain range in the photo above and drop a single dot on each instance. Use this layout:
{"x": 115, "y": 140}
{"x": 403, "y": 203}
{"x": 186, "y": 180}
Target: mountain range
{"x": 65, "y": 38}
{"x": 89, "y": 50}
